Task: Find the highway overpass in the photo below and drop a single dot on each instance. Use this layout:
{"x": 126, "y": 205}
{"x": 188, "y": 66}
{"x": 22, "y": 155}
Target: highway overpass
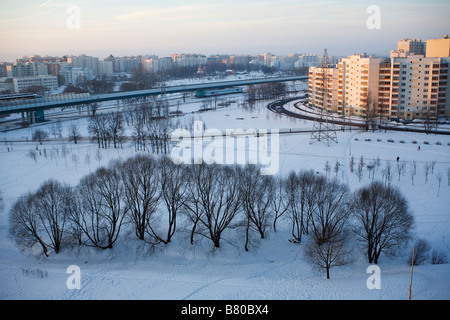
{"x": 51, "y": 102}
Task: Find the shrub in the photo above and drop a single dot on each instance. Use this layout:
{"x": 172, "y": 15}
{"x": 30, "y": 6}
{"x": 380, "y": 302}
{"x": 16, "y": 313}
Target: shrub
{"x": 438, "y": 257}
{"x": 421, "y": 252}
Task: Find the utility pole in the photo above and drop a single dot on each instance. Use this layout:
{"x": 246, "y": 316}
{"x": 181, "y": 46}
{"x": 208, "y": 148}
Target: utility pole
{"x": 410, "y": 280}
{"x": 324, "y": 130}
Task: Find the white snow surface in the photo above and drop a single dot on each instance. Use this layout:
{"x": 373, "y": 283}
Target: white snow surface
{"x": 275, "y": 269}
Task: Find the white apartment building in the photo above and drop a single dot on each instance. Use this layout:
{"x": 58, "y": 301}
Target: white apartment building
{"x": 438, "y": 47}
{"x": 188, "y": 60}
{"x": 76, "y": 76}
{"x": 317, "y": 83}
{"x": 398, "y": 87}
{"x": 28, "y": 69}
{"x": 48, "y": 82}
{"x": 307, "y": 60}
{"x": 268, "y": 57}
{"x": 357, "y": 83}
{"x": 106, "y": 68}
{"x": 411, "y": 46}
{"x": 88, "y": 62}
{"x": 155, "y": 64}
{"x": 418, "y": 88}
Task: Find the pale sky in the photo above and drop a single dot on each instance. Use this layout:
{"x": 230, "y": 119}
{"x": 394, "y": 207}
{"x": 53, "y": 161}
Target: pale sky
{"x": 138, "y": 27}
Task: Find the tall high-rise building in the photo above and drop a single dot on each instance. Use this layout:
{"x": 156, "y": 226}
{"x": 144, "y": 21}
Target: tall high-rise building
{"x": 357, "y": 83}
{"x": 28, "y": 69}
{"x": 268, "y": 59}
{"x": 320, "y": 79}
{"x": 401, "y": 87}
{"x": 439, "y": 47}
{"x": 83, "y": 61}
{"x": 411, "y": 46}
{"x": 418, "y": 87}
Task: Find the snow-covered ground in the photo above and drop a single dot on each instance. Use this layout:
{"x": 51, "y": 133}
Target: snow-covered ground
{"x": 275, "y": 269}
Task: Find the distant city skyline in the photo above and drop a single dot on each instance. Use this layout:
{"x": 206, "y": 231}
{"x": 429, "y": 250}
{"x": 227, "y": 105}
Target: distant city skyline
{"x": 130, "y": 28}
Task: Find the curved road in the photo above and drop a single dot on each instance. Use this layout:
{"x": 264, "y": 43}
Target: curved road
{"x": 278, "y": 107}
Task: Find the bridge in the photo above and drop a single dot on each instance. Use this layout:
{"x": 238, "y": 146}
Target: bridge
{"x": 52, "y": 102}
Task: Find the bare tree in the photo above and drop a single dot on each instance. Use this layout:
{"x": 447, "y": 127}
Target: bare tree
{"x": 192, "y": 206}
{"x": 173, "y": 190}
{"x": 25, "y": 225}
{"x": 93, "y": 107}
{"x": 439, "y": 177}
{"x": 54, "y": 203}
{"x": 141, "y": 193}
{"x": 331, "y": 253}
{"x": 337, "y": 167}
{"x": 33, "y": 154}
{"x": 98, "y": 130}
{"x": 387, "y": 173}
{"x": 278, "y": 201}
{"x": 98, "y": 156}
{"x": 427, "y": 121}
{"x": 116, "y": 128}
{"x": 74, "y": 133}
{"x": 327, "y": 168}
{"x": 370, "y": 112}
{"x": 438, "y": 257}
{"x": 159, "y": 131}
{"x": 377, "y": 163}
{"x": 360, "y": 171}
{"x": 328, "y": 245}
{"x": 432, "y": 165}
{"x": 255, "y": 196}
{"x": 40, "y": 218}
{"x": 421, "y": 252}
{"x": 331, "y": 211}
{"x": 413, "y": 172}
{"x": 371, "y": 169}
{"x": 101, "y": 206}
{"x": 352, "y": 163}
{"x": 218, "y": 199}
{"x": 56, "y": 130}
{"x": 426, "y": 170}
{"x": 401, "y": 166}
{"x": 302, "y": 199}
{"x": 140, "y": 132}
{"x": 40, "y": 135}
{"x": 382, "y": 219}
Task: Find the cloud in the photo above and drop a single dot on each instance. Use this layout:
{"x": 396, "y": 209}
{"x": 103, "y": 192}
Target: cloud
{"x": 45, "y": 3}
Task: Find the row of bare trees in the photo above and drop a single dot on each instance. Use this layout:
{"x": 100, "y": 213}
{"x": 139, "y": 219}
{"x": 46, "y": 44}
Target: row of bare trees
{"x": 266, "y": 91}
{"x": 147, "y": 130}
{"x": 148, "y": 195}
{"x": 149, "y": 124}
{"x": 107, "y": 128}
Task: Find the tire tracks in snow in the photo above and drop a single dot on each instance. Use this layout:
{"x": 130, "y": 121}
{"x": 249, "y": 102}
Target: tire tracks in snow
{"x": 204, "y": 286}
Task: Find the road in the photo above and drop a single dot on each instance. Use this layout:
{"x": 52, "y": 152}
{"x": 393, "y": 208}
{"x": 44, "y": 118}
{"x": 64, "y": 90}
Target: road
{"x": 278, "y": 107}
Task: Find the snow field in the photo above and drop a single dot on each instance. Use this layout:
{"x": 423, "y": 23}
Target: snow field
{"x": 273, "y": 270}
